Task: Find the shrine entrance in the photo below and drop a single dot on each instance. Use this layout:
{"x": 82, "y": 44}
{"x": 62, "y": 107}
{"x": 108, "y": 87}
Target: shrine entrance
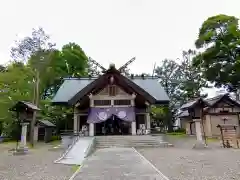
{"x": 111, "y": 120}
{"x": 113, "y": 126}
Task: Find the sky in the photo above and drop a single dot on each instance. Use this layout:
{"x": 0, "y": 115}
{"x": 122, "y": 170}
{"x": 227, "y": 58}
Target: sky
{"x": 114, "y": 31}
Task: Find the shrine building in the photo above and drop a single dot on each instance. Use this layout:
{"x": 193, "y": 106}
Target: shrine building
{"x": 111, "y": 104}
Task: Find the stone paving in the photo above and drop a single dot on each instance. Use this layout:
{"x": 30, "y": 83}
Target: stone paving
{"x": 117, "y": 164}
{"x": 183, "y": 163}
{"x": 38, "y": 164}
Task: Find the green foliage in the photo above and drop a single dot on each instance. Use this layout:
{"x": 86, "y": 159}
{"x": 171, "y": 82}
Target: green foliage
{"x": 177, "y": 134}
{"x": 219, "y": 62}
{"x": 180, "y": 130}
{"x": 76, "y": 60}
{"x": 15, "y": 85}
{"x": 169, "y": 74}
{"x": 191, "y": 80}
{"x": 7, "y": 139}
{"x": 159, "y": 115}
{"x": 36, "y": 60}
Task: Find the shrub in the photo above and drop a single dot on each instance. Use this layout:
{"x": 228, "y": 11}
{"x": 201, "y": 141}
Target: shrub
{"x": 6, "y": 139}
{"x": 180, "y": 130}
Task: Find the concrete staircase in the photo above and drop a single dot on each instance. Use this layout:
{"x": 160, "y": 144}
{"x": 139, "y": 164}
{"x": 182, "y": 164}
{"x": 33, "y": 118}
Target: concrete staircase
{"x": 130, "y": 141}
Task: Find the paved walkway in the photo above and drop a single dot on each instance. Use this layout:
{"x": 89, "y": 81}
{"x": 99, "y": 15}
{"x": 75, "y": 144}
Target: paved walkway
{"x": 117, "y": 164}
{"x": 77, "y": 153}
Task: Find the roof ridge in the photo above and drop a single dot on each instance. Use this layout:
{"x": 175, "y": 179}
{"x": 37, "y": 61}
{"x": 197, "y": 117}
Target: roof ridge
{"x": 89, "y": 78}
{"x": 80, "y": 78}
{"x": 215, "y": 97}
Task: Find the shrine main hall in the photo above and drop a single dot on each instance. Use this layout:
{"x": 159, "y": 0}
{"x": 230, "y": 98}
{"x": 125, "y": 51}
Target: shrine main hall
{"x": 112, "y": 103}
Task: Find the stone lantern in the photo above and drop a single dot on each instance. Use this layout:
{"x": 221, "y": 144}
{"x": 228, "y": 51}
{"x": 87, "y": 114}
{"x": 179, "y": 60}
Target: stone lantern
{"x": 24, "y": 114}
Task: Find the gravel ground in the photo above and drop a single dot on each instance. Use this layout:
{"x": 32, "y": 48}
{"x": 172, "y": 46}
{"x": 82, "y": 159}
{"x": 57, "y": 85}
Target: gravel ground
{"x": 183, "y": 163}
{"x": 38, "y": 164}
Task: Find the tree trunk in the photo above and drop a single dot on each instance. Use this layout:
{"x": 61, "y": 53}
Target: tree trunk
{"x": 36, "y": 102}
{"x": 170, "y": 124}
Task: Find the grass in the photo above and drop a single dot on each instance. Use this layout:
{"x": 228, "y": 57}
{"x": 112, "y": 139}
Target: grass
{"x": 212, "y": 139}
{"x": 9, "y": 142}
{"x": 75, "y": 168}
{"x": 177, "y": 134}
{"x": 56, "y": 142}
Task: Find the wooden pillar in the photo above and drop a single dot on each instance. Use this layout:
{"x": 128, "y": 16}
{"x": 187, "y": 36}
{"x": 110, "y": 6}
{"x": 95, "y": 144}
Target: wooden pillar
{"x": 134, "y": 130}
{"x": 75, "y": 120}
{"x": 208, "y": 126}
{"x": 198, "y": 129}
{"x": 91, "y": 129}
{"x": 91, "y": 125}
{"x": 148, "y": 122}
{"x": 36, "y": 133}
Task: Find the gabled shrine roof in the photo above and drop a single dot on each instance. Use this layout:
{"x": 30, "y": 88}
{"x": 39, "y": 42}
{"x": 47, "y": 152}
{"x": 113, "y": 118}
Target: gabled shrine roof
{"x": 46, "y": 123}
{"x": 24, "y": 104}
{"x": 72, "y": 86}
{"x": 209, "y": 102}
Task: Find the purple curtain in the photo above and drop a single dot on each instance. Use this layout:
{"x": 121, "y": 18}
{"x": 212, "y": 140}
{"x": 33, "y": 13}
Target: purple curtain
{"x": 97, "y": 115}
{"x": 124, "y": 113}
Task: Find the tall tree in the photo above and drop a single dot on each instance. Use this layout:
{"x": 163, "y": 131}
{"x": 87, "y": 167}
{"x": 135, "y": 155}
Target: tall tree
{"x": 76, "y": 60}
{"x": 191, "y": 80}
{"x": 15, "y": 85}
{"x": 37, "y": 49}
{"x": 169, "y": 74}
{"x": 219, "y": 37}
{"x": 70, "y": 61}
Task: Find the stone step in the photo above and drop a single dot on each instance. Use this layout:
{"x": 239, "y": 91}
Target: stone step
{"x": 130, "y": 145}
{"x": 129, "y": 141}
{"x": 139, "y": 146}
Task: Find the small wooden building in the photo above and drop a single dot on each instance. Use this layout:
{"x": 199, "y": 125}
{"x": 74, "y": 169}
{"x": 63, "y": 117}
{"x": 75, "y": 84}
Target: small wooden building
{"x": 221, "y": 109}
{"x": 44, "y": 130}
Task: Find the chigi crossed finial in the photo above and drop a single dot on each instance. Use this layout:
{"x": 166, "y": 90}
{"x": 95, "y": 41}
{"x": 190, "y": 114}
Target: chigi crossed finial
{"x": 121, "y": 69}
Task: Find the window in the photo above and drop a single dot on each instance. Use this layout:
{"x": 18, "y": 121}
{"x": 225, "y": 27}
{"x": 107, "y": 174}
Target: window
{"x": 122, "y": 102}
{"x": 112, "y": 90}
{"x": 102, "y": 102}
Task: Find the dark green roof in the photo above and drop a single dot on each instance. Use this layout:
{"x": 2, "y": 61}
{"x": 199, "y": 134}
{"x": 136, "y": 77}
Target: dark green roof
{"x": 72, "y": 86}
{"x": 46, "y": 123}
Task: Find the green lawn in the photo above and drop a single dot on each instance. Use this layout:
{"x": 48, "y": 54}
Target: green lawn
{"x": 75, "y": 168}
{"x": 177, "y": 134}
{"x": 212, "y": 139}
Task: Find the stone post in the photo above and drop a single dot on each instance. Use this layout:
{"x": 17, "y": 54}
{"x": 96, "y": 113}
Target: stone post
{"x": 23, "y": 144}
{"x": 199, "y": 144}
{"x": 133, "y": 128}
{"x": 75, "y": 121}
{"x": 91, "y": 129}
